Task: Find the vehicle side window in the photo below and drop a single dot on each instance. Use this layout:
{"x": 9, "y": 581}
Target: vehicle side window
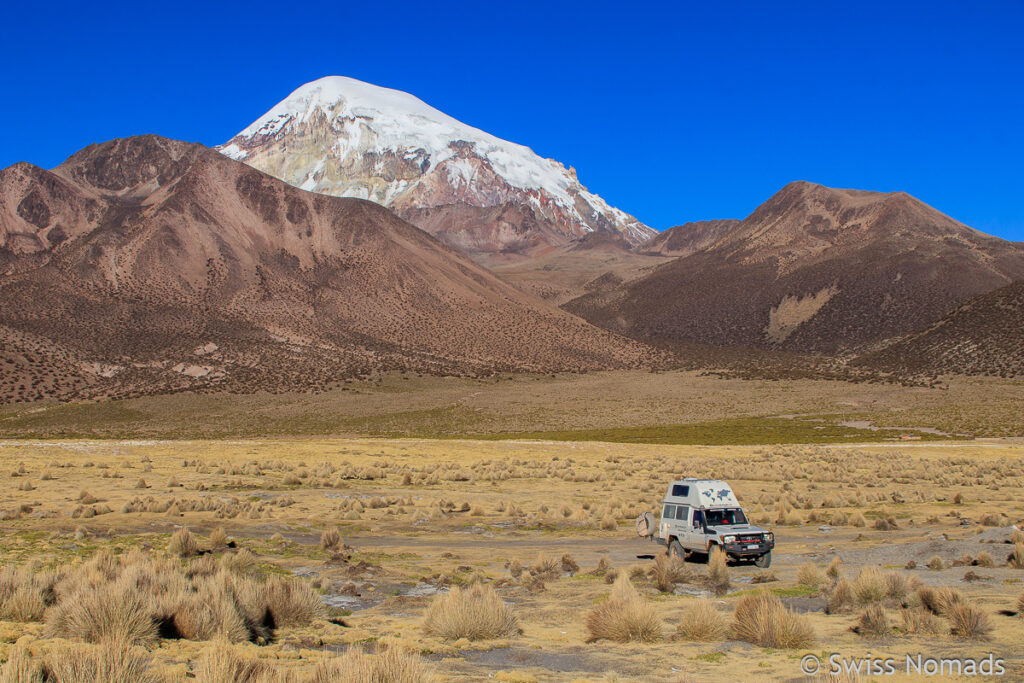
{"x": 682, "y": 512}
{"x": 698, "y": 518}
{"x": 669, "y": 512}
{"x": 680, "y": 490}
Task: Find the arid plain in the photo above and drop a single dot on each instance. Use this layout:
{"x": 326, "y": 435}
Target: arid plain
{"x": 462, "y": 559}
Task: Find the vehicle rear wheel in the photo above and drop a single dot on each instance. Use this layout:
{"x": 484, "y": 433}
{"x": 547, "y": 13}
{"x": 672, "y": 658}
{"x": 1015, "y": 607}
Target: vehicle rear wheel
{"x": 764, "y": 561}
{"x": 675, "y": 549}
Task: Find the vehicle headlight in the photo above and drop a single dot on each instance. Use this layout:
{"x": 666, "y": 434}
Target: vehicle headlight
{"x": 729, "y": 539}
{"x": 770, "y": 537}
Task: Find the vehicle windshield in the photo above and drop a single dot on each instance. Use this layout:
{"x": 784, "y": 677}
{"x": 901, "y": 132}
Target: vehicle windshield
{"x": 725, "y": 517}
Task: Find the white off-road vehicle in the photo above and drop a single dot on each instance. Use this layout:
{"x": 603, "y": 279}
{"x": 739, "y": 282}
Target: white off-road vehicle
{"x": 698, "y": 515}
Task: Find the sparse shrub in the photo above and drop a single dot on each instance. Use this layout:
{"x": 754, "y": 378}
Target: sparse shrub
{"x": 609, "y": 523}
{"x": 545, "y": 567}
{"x": 918, "y": 620}
{"x": 718, "y": 573}
{"x": 110, "y": 612}
{"x": 183, "y": 544}
{"x": 21, "y": 668}
{"x": 810, "y": 575}
{"x": 476, "y": 613}
{"x": 764, "y": 577}
{"x": 841, "y": 597}
{"x": 387, "y": 665}
{"x": 969, "y": 621}
{"x": 941, "y": 600}
{"x": 857, "y": 519}
{"x": 222, "y": 664}
{"x": 219, "y": 538}
{"x": 834, "y": 569}
{"x": 109, "y": 662}
{"x": 1016, "y": 558}
{"x": 873, "y": 623}
{"x": 897, "y": 585}
{"x": 330, "y": 539}
{"x": 569, "y": 565}
{"x": 869, "y": 586}
{"x": 515, "y": 568}
{"x": 624, "y": 617}
{"x": 702, "y": 622}
{"x": 984, "y": 559}
{"x": 668, "y": 570}
{"x": 762, "y": 619}
{"x": 292, "y": 602}
{"x": 936, "y": 563}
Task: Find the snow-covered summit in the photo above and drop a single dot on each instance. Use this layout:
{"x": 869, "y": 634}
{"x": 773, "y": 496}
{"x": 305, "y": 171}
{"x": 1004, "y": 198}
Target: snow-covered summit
{"x": 344, "y": 137}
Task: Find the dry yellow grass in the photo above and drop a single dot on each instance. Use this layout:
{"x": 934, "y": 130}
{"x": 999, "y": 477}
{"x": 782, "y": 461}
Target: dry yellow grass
{"x": 701, "y": 621}
{"x": 413, "y": 531}
{"x": 761, "y": 619}
{"x": 624, "y": 617}
{"x": 476, "y": 613}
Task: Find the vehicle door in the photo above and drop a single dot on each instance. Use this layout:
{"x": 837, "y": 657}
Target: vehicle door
{"x": 667, "y": 527}
{"x": 695, "y": 539}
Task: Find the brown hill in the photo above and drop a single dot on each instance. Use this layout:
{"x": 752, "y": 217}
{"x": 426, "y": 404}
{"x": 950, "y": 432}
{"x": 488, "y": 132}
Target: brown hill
{"x": 812, "y": 269}
{"x": 983, "y": 336}
{"x": 688, "y": 238}
{"x": 561, "y": 274}
{"x": 147, "y": 264}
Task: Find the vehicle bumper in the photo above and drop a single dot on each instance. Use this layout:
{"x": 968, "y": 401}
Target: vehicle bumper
{"x": 748, "y": 549}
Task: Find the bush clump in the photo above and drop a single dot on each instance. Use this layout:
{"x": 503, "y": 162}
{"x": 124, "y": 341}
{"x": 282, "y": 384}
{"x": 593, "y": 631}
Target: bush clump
{"x": 702, "y": 622}
{"x": 624, "y": 617}
{"x": 476, "y": 613}
{"x": 761, "y": 619}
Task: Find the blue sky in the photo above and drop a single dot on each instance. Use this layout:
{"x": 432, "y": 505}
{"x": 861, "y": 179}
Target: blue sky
{"x": 671, "y": 111}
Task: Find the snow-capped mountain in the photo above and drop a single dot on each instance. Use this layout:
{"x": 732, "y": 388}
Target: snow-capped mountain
{"x": 481, "y": 194}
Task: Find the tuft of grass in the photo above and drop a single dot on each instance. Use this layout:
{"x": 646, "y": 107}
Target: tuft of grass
{"x": 109, "y": 662}
{"x": 919, "y": 620}
{"x": 702, "y": 622}
{"x": 112, "y": 612}
{"x": 841, "y": 597}
{"x": 221, "y": 663}
{"x": 624, "y": 617}
{"x": 1016, "y": 558}
{"x": 718, "y": 573}
{"x": 475, "y": 613}
{"x": 969, "y": 621}
{"x": 21, "y": 668}
{"x": 669, "y": 570}
{"x": 940, "y": 601}
{"x": 330, "y": 539}
{"x": 219, "y": 538}
{"x": 183, "y": 544}
{"x": 761, "y": 619}
{"x": 291, "y": 601}
{"x": 388, "y": 665}
{"x": 810, "y": 575}
{"x": 873, "y": 622}
{"x": 834, "y": 570}
{"x": 869, "y": 586}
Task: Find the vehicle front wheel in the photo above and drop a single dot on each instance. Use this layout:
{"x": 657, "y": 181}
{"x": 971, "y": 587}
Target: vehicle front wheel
{"x": 764, "y": 561}
{"x": 675, "y": 549}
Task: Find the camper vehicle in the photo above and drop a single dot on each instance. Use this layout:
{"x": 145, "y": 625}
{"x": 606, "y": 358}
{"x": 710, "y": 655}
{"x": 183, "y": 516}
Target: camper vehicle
{"x": 698, "y": 515}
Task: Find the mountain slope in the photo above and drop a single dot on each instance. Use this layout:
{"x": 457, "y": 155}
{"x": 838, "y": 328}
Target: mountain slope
{"x": 689, "y": 238}
{"x": 983, "y": 336}
{"x": 812, "y": 269}
{"x": 151, "y": 264}
{"x": 480, "y": 194}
